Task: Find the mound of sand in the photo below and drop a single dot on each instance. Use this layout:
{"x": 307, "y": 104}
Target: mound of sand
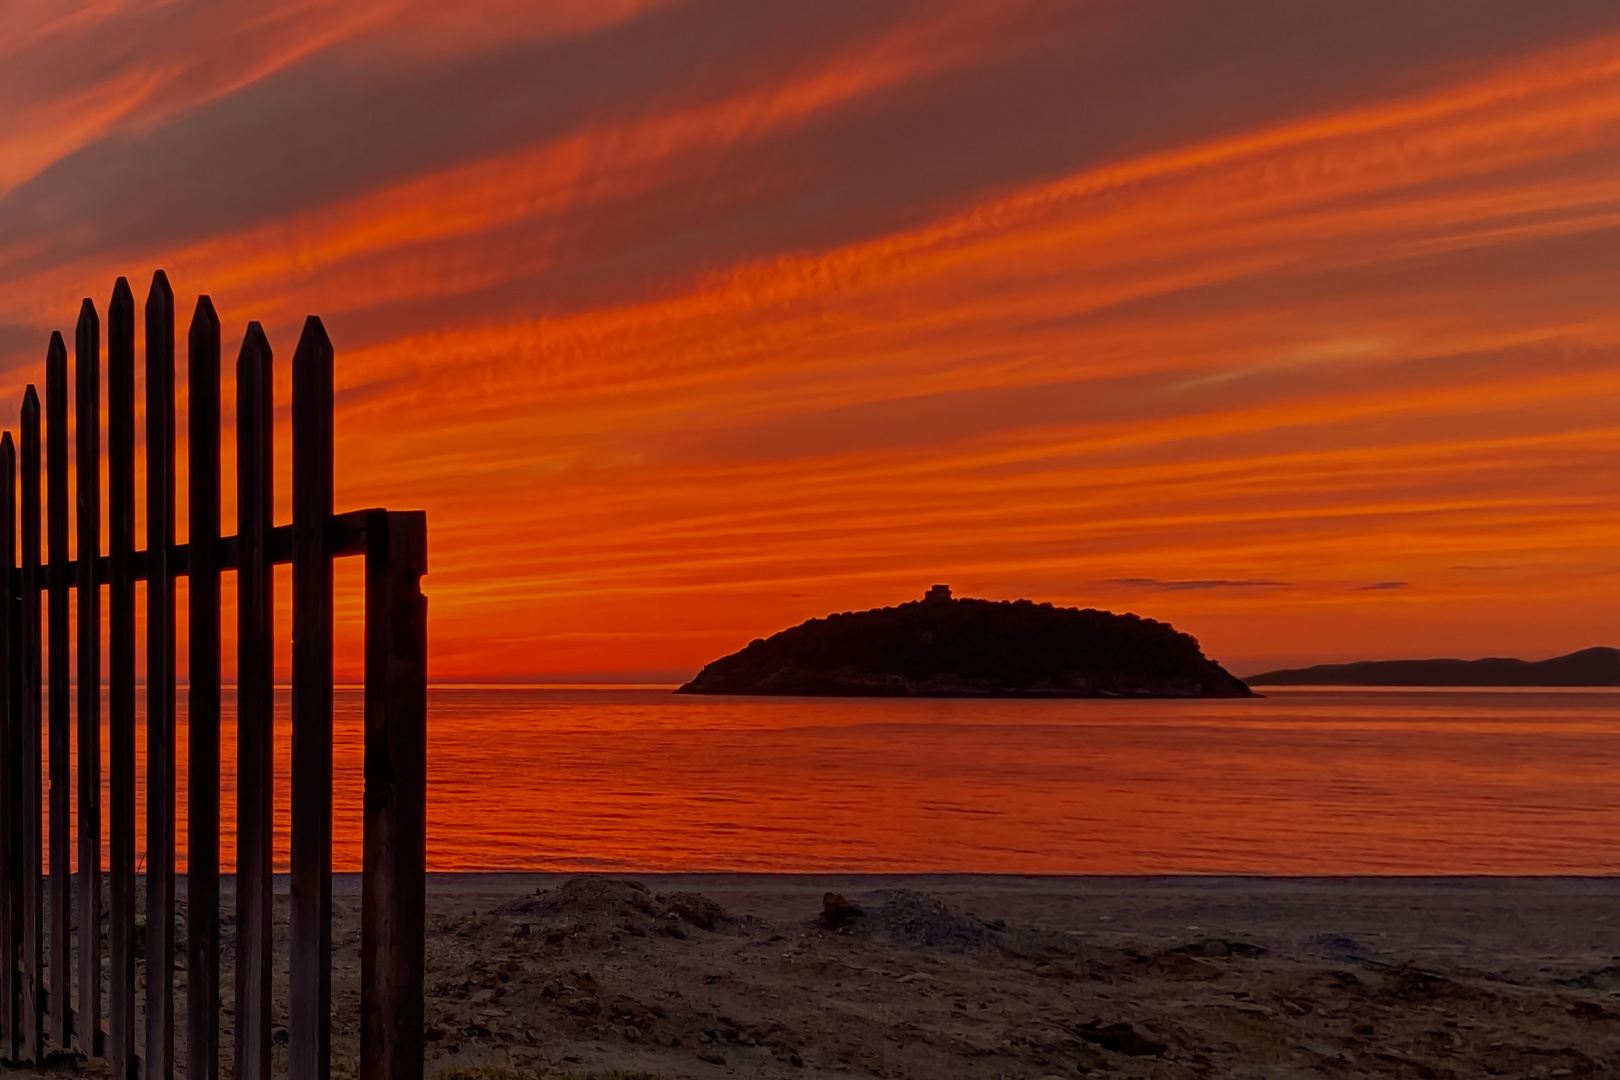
{"x": 601, "y": 901}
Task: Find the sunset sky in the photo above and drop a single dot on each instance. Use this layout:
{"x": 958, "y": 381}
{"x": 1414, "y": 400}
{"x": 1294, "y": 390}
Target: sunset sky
{"x": 1293, "y": 323}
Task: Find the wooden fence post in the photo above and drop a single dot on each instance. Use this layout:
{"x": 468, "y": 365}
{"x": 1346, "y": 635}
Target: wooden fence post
{"x": 121, "y": 681}
{"x": 311, "y": 961}
{"x": 160, "y": 733}
{"x": 87, "y": 459}
{"x": 202, "y": 701}
{"x": 32, "y": 1020}
{"x": 61, "y": 841}
{"x": 395, "y": 837}
{"x": 255, "y": 705}
{"x": 11, "y": 865}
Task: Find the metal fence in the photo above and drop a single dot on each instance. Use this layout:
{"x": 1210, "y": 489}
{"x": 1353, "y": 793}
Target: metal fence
{"x": 43, "y": 1008}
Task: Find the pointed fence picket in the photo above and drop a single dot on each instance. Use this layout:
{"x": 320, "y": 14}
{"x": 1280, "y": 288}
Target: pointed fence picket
{"x": 47, "y": 1010}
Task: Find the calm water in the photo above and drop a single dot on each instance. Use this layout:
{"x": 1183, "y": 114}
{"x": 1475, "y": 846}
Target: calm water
{"x": 1298, "y": 782}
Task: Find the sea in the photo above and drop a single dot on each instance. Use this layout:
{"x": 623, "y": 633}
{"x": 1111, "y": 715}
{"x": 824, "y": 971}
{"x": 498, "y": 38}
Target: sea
{"x": 1309, "y": 781}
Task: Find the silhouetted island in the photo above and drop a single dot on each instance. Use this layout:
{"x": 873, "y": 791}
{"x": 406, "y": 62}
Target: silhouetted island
{"x": 940, "y": 647}
{"x": 1590, "y": 667}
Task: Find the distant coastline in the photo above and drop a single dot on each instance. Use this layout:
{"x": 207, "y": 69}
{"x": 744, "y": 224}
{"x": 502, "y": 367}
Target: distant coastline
{"x": 1599, "y": 666}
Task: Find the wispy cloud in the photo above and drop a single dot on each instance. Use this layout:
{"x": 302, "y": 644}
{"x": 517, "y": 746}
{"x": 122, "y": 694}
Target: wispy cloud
{"x": 1378, "y": 585}
{"x": 1209, "y": 583}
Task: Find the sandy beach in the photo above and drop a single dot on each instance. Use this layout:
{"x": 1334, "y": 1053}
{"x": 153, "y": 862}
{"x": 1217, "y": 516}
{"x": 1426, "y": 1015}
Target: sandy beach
{"x": 667, "y": 977}
{"x": 708, "y": 976}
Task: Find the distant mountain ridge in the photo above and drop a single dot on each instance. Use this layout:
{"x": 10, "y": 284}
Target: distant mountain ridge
{"x": 1599, "y": 666}
{"x": 940, "y": 647}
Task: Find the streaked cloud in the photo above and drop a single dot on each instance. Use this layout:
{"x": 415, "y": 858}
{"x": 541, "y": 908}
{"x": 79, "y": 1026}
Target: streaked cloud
{"x": 688, "y": 320}
{"x": 1210, "y": 583}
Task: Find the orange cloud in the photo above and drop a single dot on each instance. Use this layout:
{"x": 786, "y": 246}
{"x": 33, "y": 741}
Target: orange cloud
{"x": 688, "y": 367}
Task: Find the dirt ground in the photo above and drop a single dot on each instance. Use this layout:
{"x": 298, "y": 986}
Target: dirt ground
{"x": 1002, "y": 978}
{"x": 982, "y": 978}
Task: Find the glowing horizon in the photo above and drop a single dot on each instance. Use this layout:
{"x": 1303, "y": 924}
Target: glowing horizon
{"x": 688, "y": 321}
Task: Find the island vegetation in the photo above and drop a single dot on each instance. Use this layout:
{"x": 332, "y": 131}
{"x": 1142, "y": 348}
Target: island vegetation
{"x": 944, "y": 647}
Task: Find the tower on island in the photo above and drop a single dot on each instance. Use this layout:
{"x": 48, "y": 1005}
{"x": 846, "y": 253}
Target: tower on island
{"x": 938, "y": 592}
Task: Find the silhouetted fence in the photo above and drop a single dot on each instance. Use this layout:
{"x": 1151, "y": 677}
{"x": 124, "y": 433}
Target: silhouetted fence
{"x": 44, "y": 1010}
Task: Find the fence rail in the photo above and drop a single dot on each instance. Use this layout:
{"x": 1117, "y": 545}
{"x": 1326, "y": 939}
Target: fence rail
{"x": 44, "y": 1010}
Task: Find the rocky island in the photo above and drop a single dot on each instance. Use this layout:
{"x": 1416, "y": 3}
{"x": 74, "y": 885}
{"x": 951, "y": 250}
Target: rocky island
{"x": 944, "y": 647}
